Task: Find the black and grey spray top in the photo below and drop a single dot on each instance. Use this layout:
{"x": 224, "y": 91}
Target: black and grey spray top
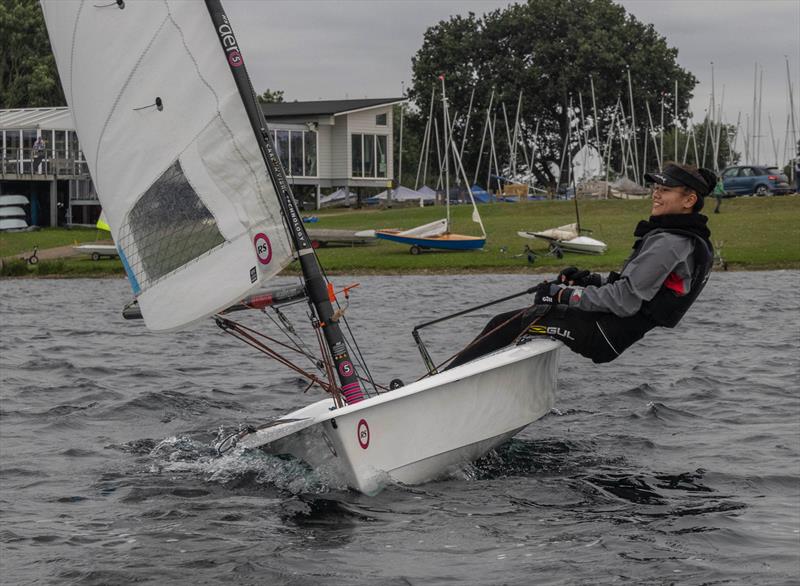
{"x": 672, "y": 256}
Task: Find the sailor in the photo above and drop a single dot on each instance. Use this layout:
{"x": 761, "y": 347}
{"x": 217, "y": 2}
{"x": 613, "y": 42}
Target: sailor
{"x": 600, "y": 317}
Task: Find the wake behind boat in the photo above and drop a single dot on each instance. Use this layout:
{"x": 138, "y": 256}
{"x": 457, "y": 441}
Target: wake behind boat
{"x": 204, "y": 219}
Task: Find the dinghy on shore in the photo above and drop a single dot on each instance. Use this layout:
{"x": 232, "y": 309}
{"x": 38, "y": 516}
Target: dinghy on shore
{"x": 568, "y": 239}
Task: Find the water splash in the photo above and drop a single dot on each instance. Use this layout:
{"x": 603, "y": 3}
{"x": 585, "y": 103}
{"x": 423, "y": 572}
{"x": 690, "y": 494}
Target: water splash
{"x": 241, "y": 467}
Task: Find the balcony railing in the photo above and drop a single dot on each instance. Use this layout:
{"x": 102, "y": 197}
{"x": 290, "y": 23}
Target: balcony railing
{"x": 19, "y": 163}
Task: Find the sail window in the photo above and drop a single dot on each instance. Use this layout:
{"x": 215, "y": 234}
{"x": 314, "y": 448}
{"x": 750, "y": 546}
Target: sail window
{"x": 168, "y": 227}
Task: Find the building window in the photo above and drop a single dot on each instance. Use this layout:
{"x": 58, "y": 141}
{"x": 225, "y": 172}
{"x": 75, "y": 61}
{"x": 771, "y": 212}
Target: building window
{"x": 380, "y": 119}
{"x": 310, "y": 150}
{"x": 60, "y": 145}
{"x": 297, "y": 151}
{"x": 369, "y": 156}
{"x": 380, "y": 154}
{"x": 356, "y": 157}
{"x": 282, "y": 146}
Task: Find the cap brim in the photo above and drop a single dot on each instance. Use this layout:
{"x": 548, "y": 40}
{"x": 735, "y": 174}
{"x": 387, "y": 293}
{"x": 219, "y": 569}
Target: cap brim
{"x": 662, "y": 179}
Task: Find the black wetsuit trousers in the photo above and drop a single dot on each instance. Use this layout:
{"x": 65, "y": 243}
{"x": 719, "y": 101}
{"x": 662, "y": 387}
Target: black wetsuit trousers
{"x": 599, "y": 336}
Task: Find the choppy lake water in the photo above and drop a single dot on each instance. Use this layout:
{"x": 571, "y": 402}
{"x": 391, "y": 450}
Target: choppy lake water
{"x": 677, "y": 463}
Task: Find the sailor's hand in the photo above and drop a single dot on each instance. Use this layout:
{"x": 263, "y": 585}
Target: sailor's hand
{"x": 575, "y": 276}
{"x": 566, "y": 275}
{"x": 546, "y": 293}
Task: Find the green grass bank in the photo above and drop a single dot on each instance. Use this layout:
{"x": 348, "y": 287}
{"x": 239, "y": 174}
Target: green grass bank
{"x": 751, "y": 234}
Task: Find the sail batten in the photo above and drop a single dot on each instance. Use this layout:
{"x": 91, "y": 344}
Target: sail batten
{"x": 172, "y": 154}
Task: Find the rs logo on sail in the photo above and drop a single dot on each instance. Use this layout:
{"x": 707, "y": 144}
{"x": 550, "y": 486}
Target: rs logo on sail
{"x": 263, "y": 248}
{"x": 229, "y": 42}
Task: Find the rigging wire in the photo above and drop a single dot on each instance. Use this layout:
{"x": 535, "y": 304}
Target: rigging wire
{"x": 249, "y": 336}
{"x": 482, "y": 337}
{"x": 356, "y": 353}
{"x": 288, "y": 330}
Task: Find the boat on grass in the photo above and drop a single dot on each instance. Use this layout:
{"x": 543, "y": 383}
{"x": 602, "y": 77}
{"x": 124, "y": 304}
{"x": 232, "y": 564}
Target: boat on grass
{"x": 567, "y": 238}
{"x": 204, "y": 220}
{"x": 438, "y": 235}
{"x": 430, "y": 236}
{"x": 97, "y": 251}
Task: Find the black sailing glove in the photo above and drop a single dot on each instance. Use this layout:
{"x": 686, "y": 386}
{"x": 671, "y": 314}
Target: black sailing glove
{"x": 551, "y": 294}
{"x": 575, "y": 276}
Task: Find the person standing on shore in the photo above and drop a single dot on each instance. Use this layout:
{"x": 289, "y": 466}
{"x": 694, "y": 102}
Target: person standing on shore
{"x": 600, "y": 317}
{"x": 38, "y": 154}
{"x": 719, "y": 192}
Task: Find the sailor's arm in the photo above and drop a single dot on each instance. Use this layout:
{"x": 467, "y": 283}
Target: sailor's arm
{"x": 641, "y": 278}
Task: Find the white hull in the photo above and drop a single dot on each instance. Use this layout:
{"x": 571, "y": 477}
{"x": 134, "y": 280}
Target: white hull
{"x": 13, "y": 224}
{"x": 580, "y": 244}
{"x": 583, "y": 245}
{"x": 97, "y": 250}
{"x": 426, "y": 429}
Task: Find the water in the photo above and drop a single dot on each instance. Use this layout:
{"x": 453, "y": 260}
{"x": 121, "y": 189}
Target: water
{"x": 677, "y": 463}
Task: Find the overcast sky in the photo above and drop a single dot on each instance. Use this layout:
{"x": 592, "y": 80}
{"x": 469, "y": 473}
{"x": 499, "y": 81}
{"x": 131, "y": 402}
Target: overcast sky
{"x": 333, "y": 49}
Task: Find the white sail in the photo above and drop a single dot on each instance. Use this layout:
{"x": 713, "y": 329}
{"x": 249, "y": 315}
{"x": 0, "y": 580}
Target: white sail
{"x": 171, "y": 152}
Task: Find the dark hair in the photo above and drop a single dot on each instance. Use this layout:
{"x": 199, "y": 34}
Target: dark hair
{"x": 705, "y": 176}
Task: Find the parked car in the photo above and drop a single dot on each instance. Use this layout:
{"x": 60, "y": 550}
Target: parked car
{"x": 755, "y": 180}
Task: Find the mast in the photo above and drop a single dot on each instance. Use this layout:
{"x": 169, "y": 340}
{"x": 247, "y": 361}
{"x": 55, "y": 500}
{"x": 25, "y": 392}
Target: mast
{"x": 483, "y": 139}
{"x": 425, "y": 148}
{"x": 596, "y": 119}
{"x": 466, "y": 123}
{"x": 516, "y": 128}
{"x": 445, "y": 125}
{"x": 661, "y": 148}
{"x": 316, "y": 285}
{"x": 791, "y": 105}
{"x": 676, "y": 116}
{"x": 633, "y": 130}
{"x": 400, "y": 161}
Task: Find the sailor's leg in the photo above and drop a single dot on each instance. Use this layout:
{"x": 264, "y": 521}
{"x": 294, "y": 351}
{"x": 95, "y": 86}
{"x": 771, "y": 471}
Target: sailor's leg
{"x": 599, "y": 336}
{"x": 501, "y": 330}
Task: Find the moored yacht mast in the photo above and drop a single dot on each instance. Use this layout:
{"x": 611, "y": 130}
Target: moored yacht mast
{"x": 316, "y": 283}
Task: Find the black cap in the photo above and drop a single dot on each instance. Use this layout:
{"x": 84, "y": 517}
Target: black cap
{"x": 675, "y": 176}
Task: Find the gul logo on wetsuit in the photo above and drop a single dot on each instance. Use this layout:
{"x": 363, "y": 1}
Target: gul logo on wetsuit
{"x": 551, "y": 331}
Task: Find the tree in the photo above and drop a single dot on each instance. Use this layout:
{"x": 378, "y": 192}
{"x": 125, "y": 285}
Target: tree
{"x": 271, "y": 97}
{"x": 28, "y": 76}
{"x": 548, "y": 50}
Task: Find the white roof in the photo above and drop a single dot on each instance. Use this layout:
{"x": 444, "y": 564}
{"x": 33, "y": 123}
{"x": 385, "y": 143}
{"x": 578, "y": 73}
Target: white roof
{"x": 44, "y": 118}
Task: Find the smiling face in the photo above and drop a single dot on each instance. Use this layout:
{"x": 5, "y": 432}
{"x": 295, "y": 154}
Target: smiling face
{"x": 672, "y": 200}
